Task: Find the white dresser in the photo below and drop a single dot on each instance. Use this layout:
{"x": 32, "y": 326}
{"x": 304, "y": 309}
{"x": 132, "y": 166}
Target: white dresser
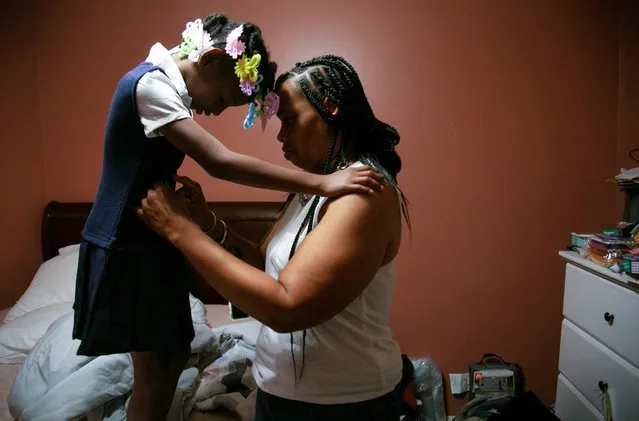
{"x": 599, "y": 344}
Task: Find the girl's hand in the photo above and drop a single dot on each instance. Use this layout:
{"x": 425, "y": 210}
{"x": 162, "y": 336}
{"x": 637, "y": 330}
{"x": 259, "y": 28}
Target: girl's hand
{"x": 165, "y": 212}
{"x": 191, "y": 192}
{"x": 352, "y": 180}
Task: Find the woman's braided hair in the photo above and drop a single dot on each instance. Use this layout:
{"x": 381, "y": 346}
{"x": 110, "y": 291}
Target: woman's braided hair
{"x": 332, "y": 77}
{"x": 364, "y": 137}
{"x": 219, "y": 26}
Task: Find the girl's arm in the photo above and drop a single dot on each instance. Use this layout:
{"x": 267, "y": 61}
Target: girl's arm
{"x": 220, "y": 162}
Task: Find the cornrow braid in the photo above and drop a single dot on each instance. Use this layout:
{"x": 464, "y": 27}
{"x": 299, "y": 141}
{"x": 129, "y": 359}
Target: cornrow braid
{"x": 308, "y": 87}
{"x": 365, "y": 137}
{"x": 308, "y": 224}
{"x": 219, "y": 27}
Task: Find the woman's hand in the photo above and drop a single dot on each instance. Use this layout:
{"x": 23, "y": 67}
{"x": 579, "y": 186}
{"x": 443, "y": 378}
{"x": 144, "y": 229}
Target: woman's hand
{"x": 192, "y": 194}
{"x": 165, "y": 212}
{"x": 352, "y": 180}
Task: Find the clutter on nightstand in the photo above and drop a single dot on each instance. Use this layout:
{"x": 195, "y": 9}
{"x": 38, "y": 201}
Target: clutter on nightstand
{"x": 616, "y": 248}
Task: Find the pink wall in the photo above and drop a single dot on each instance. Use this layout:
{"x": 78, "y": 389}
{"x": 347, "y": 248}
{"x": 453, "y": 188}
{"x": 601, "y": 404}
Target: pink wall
{"x": 22, "y": 168}
{"x": 508, "y": 116}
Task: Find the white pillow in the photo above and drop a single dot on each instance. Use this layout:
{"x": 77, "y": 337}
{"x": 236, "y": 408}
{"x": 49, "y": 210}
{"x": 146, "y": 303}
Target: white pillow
{"x": 18, "y": 336}
{"x": 69, "y": 249}
{"x": 54, "y": 282}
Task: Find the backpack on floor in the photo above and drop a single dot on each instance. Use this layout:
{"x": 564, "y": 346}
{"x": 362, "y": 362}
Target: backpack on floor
{"x": 526, "y": 407}
{"x": 494, "y": 375}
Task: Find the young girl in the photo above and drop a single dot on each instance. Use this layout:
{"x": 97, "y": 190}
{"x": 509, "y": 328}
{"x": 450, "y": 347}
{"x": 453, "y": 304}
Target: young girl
{"x": 131, "y": 291}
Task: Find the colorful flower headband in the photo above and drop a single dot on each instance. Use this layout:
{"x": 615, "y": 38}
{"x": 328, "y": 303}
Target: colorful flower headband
{"x": 197, "y": 41}
{"x": 265, "y": 108}
{"x": 246, "y": 70}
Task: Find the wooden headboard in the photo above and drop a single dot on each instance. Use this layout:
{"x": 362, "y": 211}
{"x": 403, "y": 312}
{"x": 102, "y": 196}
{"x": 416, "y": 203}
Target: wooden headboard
{"x": 63, "y": 222}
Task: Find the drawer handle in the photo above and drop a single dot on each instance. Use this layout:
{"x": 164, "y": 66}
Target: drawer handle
{"x": 603, "y": 386}
{"x": 610, "y": 318}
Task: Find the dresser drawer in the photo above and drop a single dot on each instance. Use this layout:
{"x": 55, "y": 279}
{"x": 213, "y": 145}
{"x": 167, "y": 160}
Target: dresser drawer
{"x": 607, "y": 311}
{"x": 570, "y": 405}
{"x": 585, "y": 362}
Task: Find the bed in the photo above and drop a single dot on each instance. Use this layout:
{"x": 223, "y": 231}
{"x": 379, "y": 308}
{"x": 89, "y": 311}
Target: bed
{"x": 50, "y": 294}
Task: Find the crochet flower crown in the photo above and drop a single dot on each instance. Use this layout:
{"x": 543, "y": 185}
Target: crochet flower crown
{"x": 197, "y": 41}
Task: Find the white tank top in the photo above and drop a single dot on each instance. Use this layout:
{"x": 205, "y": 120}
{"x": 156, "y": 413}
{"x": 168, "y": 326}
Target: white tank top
{"x": 349, "y": 358}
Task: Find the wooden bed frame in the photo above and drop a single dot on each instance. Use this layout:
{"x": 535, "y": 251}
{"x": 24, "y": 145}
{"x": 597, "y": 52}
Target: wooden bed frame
{"x": 63, "y": 222}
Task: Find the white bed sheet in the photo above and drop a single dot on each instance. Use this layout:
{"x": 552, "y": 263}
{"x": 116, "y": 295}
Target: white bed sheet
{"x": 8, "y": 372}
{"x": 216, "y": 315}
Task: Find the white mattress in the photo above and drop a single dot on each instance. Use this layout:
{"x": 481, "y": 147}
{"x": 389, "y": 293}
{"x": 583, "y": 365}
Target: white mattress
{"x": 216, "y": 315}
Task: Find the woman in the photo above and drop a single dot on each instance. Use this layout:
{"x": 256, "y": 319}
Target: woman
{"x": 321, "y": 282}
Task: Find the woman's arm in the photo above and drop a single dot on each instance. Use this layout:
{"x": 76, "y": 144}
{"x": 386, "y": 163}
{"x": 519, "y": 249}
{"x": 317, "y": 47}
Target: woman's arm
{"x": 217, "y": 229}
{"x": 220, "y": 162}
{"x": 240, "y": 247}
{"x": 331, "y": 268}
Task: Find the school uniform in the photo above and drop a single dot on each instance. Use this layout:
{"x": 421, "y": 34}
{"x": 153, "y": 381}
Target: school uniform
{"x": 131, "y": 288}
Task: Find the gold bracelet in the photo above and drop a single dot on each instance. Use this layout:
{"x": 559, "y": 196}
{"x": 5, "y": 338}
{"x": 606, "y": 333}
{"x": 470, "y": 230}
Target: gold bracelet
{"x": 221, "y": 242}
{"x": 208, "y": 231}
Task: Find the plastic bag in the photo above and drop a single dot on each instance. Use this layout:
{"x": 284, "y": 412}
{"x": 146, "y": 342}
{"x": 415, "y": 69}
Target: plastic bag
{"x": 608, "y": 251}
{"x": 429, "y": 390}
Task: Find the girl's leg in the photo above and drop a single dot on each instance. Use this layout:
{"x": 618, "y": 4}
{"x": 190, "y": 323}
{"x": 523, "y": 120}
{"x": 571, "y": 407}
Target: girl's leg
{"x": 155, "y": 376}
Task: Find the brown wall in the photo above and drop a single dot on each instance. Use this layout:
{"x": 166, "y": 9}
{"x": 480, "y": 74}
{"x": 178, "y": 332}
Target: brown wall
{"x": 508, "y": 116}
{"x": 628, "y": 81}
{"x": 22, "y": 165}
